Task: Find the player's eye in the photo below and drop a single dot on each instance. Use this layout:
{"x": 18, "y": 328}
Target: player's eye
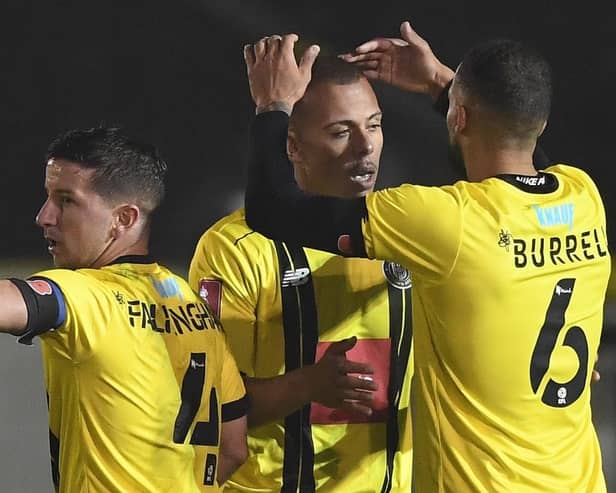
{"x": 341, "y": 133}
{"x": 65, "y": 200}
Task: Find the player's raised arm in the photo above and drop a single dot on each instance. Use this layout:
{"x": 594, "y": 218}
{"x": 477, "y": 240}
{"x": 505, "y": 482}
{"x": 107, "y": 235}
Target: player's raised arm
{"x": 275, "y": 205}
{"x": 410, "y": 64}
{"x": 277, "y": 81}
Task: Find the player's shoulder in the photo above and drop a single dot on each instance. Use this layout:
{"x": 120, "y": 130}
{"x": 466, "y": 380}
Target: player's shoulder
{"x": 80, "y": 285}
{"x": 576, "y": 179}
{"x": 569, "y": 172}
{"x": 233, "y": 231}
{"x": 68, "y": 278}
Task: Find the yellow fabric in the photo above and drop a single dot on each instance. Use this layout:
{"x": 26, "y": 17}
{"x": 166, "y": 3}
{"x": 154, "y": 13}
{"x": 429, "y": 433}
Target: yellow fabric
{"x": 488, "y": 259}
{"x": 114, "y": 371}
{"x": 351, "y": 296}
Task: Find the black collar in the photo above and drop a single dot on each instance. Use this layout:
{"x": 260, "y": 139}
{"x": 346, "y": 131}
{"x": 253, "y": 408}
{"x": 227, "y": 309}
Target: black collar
{"x": 132, "y": 259}
{"x": 540, "y": 183}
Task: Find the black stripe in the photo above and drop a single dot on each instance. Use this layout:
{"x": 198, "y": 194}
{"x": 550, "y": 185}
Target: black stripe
{"x": 310, "y": 336}
{"x": 301, "y": 334}
{"x": 234, "y": 409}
{"x": 54, "y": 450}
{"x": 237, "y": 240}
{"x": 401, "y": 335}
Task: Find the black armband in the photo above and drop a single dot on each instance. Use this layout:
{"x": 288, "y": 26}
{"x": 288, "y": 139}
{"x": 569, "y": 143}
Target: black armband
{"x": 441, "y": 105}
{"x": 45, "y": 306}
{"x": 235, "y": 410}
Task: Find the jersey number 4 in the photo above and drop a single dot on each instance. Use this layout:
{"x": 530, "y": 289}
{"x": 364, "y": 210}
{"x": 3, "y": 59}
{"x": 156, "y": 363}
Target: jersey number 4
{"x": 205, "y": 432}
{"x": 559, "y": 394}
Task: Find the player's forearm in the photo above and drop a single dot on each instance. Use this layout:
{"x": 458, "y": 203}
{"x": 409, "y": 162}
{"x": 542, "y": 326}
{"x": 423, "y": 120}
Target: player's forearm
{"x": 277, "y": 208}
{"x": 275, "y": 398}
{"x": 233, "y": 450}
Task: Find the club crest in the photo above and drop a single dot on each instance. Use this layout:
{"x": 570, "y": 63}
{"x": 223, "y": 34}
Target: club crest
{"x": 397, "y": 275}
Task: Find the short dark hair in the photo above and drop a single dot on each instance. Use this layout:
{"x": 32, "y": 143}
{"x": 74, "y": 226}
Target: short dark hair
{"x": 329, "y": 68}
{"x": 124, "y": 168}
{"x": 511, "y": 79}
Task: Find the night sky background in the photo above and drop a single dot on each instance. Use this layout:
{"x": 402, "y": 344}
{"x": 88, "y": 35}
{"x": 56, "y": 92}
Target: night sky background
{"x": 173, "y": 73}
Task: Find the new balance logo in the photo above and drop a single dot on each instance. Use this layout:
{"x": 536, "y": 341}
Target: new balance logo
{"x": 295, "y": 277}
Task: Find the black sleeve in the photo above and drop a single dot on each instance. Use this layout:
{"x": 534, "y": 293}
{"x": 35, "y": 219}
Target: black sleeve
{"x": 277, "y": 208}
{"x": 441, "y": 105}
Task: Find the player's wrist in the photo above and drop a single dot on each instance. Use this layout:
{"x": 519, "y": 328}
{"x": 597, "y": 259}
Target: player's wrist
{"x": 440, "y": 83}
{"x": 274, "y": 106}
{"x": 441, "y": 103}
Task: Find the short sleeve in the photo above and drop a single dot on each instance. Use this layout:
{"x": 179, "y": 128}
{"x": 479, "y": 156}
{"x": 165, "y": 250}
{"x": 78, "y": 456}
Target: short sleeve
{"x": 416, "y": 226}
{"x": 234, "y": 399}
{"x": 87, "y": 314}
{"x": 224, "y": 277}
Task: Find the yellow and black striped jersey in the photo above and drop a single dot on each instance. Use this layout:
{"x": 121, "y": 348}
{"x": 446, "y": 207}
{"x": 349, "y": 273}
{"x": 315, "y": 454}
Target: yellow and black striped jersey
{"x": 139, "y": 378}
{"x": 509, "y": 278}
{"x": 281, "y": 306}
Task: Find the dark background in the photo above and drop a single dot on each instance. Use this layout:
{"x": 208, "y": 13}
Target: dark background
{"x": 172, "y": 72}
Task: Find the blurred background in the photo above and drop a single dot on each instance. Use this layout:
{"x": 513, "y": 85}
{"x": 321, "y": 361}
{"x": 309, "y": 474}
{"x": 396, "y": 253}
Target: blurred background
{"x": 172, "y": 72}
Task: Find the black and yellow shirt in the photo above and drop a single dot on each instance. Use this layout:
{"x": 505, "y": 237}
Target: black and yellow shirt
{"x": 510, "y": 276}
{"x": 138, "y": 377}
{"x": 281, "y": 306}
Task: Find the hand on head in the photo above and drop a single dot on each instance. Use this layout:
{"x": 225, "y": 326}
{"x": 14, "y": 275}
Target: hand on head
{"x": 407, "y": 63}
{"x": 276, "y": 80}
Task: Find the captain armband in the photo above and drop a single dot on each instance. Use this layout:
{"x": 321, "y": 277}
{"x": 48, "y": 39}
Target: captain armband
{"x": 45, "y": 305}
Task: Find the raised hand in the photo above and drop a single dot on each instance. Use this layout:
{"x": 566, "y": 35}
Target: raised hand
{"x": 338, "y": 382}
{"x": 276, "y": 80}
{"x": 407, "y": 63}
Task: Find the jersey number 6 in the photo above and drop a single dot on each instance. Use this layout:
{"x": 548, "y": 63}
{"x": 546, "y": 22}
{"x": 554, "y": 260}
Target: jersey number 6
{"x": 559, "y": 394}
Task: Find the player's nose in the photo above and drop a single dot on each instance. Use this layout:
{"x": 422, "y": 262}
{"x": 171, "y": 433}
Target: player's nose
{"x": 363, "y": 143}
{"x": 47, "y": 215}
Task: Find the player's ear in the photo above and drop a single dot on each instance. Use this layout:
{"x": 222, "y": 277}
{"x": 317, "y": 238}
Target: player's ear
{"x": 292, "y": 146}
{"x": 125, "y": 217}
{"x": 460, "y": 119}
{"x": 545, "y": 124}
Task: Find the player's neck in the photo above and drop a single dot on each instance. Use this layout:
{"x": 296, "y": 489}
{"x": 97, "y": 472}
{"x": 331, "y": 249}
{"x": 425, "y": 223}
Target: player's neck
{"x": 120, "y": 248}
{"x": 484, "y": 163}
